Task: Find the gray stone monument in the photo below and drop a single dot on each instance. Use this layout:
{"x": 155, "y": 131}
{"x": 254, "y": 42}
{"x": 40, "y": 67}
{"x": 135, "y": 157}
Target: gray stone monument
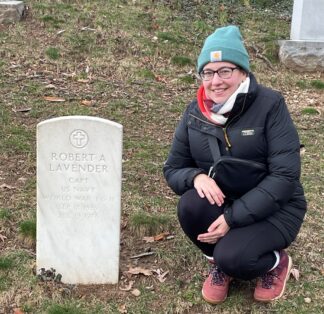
{"x": 79, "y": 162}
{"x": 11, "y": 11}
{"x": 305, "y": 49}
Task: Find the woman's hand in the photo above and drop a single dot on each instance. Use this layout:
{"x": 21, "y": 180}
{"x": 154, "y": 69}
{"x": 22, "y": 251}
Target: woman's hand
{"x": 207, "y": 187}
{"x": 215, "y": 231}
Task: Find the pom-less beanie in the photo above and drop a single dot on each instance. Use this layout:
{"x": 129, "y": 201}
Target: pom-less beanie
{"x": 225, "y": 44}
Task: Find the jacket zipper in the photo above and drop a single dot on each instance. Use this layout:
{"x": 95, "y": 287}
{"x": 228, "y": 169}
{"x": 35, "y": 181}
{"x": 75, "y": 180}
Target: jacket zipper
{"x": 228, "y": 143}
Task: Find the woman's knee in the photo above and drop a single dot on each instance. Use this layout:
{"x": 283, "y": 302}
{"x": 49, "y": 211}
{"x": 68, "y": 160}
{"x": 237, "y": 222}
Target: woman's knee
{"x": 227, "y": 259}
{"x": 191, "y": 204}
{"x": 235, "y": 263}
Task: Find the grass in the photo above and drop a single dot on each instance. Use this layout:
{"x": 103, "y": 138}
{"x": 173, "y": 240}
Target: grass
{"x": 307, "y": 84}
{"x": 4, "y": 213}
{"x": 135, "y": 61}
{"x": 28, "y": 229}
{"x": 4, "y": 282}
{"x": 143, "y": 223}
{"x": 53, "y": 53}
{"x": 64, "y": 309}
{"x": 310, "y": 111}
{"x": 5, "y": 263}
{"x": 318, "y": 84}
{"x": 181, "y": 60}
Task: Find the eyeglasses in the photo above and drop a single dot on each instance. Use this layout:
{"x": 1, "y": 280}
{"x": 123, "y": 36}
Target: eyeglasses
{"x": 223, "y": 73}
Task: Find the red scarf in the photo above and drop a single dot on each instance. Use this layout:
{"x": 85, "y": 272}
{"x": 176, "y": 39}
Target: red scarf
{"x": 205, "y": 104}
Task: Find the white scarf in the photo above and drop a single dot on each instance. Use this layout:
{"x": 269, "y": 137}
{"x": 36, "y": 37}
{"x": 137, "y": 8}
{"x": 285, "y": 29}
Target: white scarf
{"x": 219, "y": 117}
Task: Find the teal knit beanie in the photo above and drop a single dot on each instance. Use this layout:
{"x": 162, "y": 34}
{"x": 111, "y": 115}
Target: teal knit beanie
{"x": 225, "y": 44}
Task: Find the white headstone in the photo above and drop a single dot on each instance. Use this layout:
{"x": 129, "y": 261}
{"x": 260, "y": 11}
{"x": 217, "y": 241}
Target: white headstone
{"x": 305, "y": 50}
{"x": 307, "y": 20}
{"x": 78, "y": 198}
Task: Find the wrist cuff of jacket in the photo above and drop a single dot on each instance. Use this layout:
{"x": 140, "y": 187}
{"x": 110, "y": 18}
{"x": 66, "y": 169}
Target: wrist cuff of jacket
{"x": 227, "y": 216}
{"x": 191, "y": 177}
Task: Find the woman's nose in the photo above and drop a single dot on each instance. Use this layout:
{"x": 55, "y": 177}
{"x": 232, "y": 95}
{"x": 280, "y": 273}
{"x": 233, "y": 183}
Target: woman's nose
{"x": 216, "y": 79}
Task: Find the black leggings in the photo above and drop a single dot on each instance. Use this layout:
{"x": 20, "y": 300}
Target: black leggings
{"x": 245, "y": 252}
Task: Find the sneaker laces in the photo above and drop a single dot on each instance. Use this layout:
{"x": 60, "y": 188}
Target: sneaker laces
{"x": 218, "y": 277}
{"x": 268, "y": 279}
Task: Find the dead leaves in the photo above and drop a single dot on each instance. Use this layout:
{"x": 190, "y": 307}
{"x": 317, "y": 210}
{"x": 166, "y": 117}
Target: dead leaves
{"x": 84, "y": 102}
{"x": 295, "y": 273}
{"x": 159, "y": 237}
{"x": 139, "y": 270}
{"x": 23, "y": 110}
{"x": 128, "y": 287}
{"x": 136, "y": 292}
{"x": 50, "y": 86}
{"x": 302, "y": 150}
{"x": 85, "y": 81}
{"x": 53, "y": 99}
{"x": 2, "y": 236}
{"x": 122, "y": 308}
{"x": 159, "y": 274}
{"x": 5, "y": 186}
{"x": 155, "y": 273}
{"x": 88, "y": 103}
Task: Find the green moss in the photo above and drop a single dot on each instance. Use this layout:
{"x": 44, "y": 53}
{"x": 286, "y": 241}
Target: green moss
{"x": 310, "y": 111}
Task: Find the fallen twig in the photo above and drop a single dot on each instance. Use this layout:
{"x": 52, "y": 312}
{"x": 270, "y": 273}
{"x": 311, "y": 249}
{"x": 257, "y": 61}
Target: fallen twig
{"x": 261, "y": 56}
{"x": 142, "y": 255}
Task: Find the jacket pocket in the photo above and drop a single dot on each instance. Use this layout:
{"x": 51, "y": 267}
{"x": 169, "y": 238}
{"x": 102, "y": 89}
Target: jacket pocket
{"x": 236, "y": 176}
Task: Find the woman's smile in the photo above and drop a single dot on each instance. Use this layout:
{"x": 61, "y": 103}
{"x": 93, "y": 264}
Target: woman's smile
{"x": 218, "y": 89}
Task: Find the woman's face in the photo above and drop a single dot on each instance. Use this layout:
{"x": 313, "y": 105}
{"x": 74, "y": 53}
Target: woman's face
{"x": 218, "y": 89}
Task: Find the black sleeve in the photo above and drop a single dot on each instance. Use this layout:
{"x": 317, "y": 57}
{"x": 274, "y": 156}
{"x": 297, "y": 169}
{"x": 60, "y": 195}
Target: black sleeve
{"x": 277, "y": 188}
{"x": 180, "y": 168}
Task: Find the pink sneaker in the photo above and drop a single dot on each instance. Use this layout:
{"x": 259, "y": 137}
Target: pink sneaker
{"x": 215, "y": 287}
{"x": 271, "y": 286}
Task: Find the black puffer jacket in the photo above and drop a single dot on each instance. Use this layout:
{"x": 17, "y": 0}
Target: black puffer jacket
{"x": 259, "y": 128}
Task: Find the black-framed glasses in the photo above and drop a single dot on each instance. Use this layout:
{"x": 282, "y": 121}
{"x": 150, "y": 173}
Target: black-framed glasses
{"x": 223, "y": 73}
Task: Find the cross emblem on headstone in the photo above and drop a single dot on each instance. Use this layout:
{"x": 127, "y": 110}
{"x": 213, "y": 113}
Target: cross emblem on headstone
{"x": 79, "y": 138}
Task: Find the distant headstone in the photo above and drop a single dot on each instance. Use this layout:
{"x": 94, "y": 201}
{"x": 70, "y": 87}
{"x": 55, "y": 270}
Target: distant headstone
{"x": 11, "y": 11}
{"x": 308, "y": 20}
{"x": 305, "y": 50}
{"x": 79, "y": 162}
